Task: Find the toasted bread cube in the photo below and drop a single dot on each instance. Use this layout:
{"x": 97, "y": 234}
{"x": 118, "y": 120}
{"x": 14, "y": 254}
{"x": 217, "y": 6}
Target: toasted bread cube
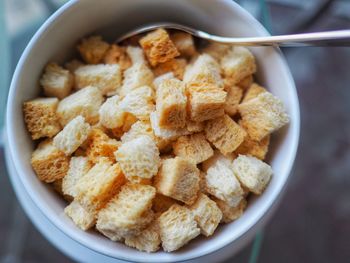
{"x": 49, "y": 163}
{"x": 139, "y": 158}
{"x": 111, "y": 115}
{"x": 221, "y": 181}
{"x": 193, "y": 147}
{"x": 207, "y": 214}
{"x": 162, "y": 203}
{"x": 230, "y": 213}
{"x": 40, "y": 117}
{"x": 263, "y": 115}
{"x": 139, "y": 102}
{"x": 72, "y": 135}
{"x": 177, "y": 227}
{"x": 56, "y": 81}
{"x": 93, "y": 49}
{"x": 85, "y": 102}
{"x": 225, "y": 134}
{"x": 257, "y": 149}
{"x": 99, "y": 185}
{"x": 129, "y": 120}
{"x": 238, "y": 63}
{"x": 253, "y": 173}
{"x": 73, "y": 65}
{"x": 136, "y": 54}
{"x": 176, "y": 65}
{"x": 161, "y": 78}
{"x": 136, "y": 76}
{"x": 148, "y": 240}
{"x": 117, "y": 55}
{"x": 158, "y": 47}
{"x": 78, "y": 167}
{"x": 202, "y": 183}
{"x": 108, "y": 78}
{"x": 234, "y": 96}
{"x": 253, "y": 91}
{"x": 178, "y": 178}
{"x": 193, "y": 126}
{"x": 128, "y": 213}
{"x": 80, "y": 216}
{"x": 171, "y": 104}
{"x": 246, "y": 82}
{"x": 216, "y": 50}
{"x": 101, "y": 146}
{"x": 184, "y": 43}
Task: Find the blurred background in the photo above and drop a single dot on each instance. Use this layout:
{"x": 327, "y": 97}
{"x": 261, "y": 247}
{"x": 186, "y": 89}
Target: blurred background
{"x": 312, "y": 223}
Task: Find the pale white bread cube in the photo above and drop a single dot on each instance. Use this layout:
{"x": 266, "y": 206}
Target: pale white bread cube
{"x": 106, "y": 77}
{"x": 56, "y": 81}
{"x": 178, "y": 178}
{"x": 253, "y": 173}
{"x": 177, "y": 227}
{"x": 234, "y": 96}
{"x": 99, "y": 185}
{"x": 217, "y": 50}
{"x": 127, "y": 213}
{"x": 158, "y": 80}
{"x": 230, "y": 213}
{"x": 136, "y": 76}
{"x": 84, "y": 102}
{"x": 80, "y": 216}
{"x": 139, "y": 158}
{"x": 193, "y": 147}
{"x": 263, "y": 115}
{"x": 111, "y": 114}
{"x": 72, "y": 135}
{"x": 221, "y": 181}
{"x": 171, "y": 104}
{"x": 238, "y": 63}
{"x": 41, "y": 118}
{"x": 93, "y": 49}
{"x": 78, "y": 167}
{"x": 184, "y": 43}
{"x": 49, "y": 163}
{"x": 136, "y": 54}
{"x": 139, "y": 102}
{"x": 207, "y": 214}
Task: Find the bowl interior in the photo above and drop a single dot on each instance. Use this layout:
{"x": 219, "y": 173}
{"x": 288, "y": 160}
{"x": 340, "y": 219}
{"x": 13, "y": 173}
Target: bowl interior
{"x": 55, "y": 41}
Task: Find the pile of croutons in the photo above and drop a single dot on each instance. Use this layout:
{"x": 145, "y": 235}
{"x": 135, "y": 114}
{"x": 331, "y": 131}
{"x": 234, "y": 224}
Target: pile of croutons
{"x": 155, "y": 141}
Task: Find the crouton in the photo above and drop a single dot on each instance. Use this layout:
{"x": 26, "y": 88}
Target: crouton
{"x": 177, "y": 227}
{"x": 178, "y": 178}
{"x": 230, "y": 213}
{"x": 128, "y": 213}
{"x": 138, "y": 158}
{"x": 136, "y": 76}
{"x": 234, "y": 96}
{"x": 139, "y": 102}
{"x": 193, "y": 147}
{"x": 72, "y": 135}
{"x": 93, "y": 49}
{"x": 73, "y": 65}
{"x": 238, "y": 63}
{"x": 80, "y": 216}
{"x": 225, "y": 134}
{"x": 263, "y": 115}
{"x": 159, "y": 79}
{"x": 253, "y": 173}
{"x": 56, "y": 81}
{"x": 111, "y": 115}
{"x": 101, "y": 146}
{"x": 162, "y": 203}
{"x": 40, "y": 117}
{"x": 184, "y": 43}
{"x": 129, "y": 120}
{"x": 221, "y": 181}
{"x": 176, "y": 65}
{"x": 207, "y": 214}
{"x": 246, "y": 82}
{"x": 78, "y": 167}
{"x": 158, "y": 47}
{"x": 202, "y": 183}
{"x": 136, "y": 54}
{"x": 99, "y": 185}
{"x": 106, "y": 77}
{"x": 148, "y": 240}
{"x": 216, "y": 50}
{"x": 253, "y": 91}
{"x": 193, "y": 126}
{"x": 49, "y": 163}
{"x": 117, "y": 55}
{"x": 85, "y": 102}
{"x": 171, "y": 104}
{"x": 257, "y": 149}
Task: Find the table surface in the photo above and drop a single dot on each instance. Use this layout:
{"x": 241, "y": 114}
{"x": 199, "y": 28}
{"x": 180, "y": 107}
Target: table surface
{"x": 312, "y": 223}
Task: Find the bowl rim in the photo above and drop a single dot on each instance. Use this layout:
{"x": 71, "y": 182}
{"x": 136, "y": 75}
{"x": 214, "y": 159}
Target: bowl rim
{"x": 255, "y": 219}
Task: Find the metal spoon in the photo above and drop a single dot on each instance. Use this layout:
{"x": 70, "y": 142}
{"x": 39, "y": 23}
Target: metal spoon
{"x": 328, "y": 38}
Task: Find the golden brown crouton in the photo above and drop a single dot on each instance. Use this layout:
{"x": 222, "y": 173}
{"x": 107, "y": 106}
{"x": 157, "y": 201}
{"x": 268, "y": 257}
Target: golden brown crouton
{"x": 217, "y": 50}
{"x": 73, "y": 65}
{"x": 246, "y": 82}
{"x": 49, "y": 163}
{"x": 81, "y": 217}
{"x": 117, "y": 55}
{"x": 176, "y": 65}
{"x": 93, "y": 49}
{"x": 184, "y": 43}
{"x": 230, "y": 213}
{"x": 161, "y": 203}
{"x": 193, "y": 126}
{"x": 128, "y": 121}
{"x": 158, "y": 47}
{"x": 234, "y": 96}
{"x": 40, "y": 117}
{"x": 257, "y": 149}
{"x": 253, "y": 91}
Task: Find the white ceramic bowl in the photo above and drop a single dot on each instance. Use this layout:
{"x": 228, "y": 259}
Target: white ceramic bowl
{"x": 55, "y": 41}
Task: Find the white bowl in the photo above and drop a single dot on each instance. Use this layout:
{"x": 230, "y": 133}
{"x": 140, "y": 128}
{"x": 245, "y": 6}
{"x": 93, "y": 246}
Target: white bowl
{"x": 55, "y": 41}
